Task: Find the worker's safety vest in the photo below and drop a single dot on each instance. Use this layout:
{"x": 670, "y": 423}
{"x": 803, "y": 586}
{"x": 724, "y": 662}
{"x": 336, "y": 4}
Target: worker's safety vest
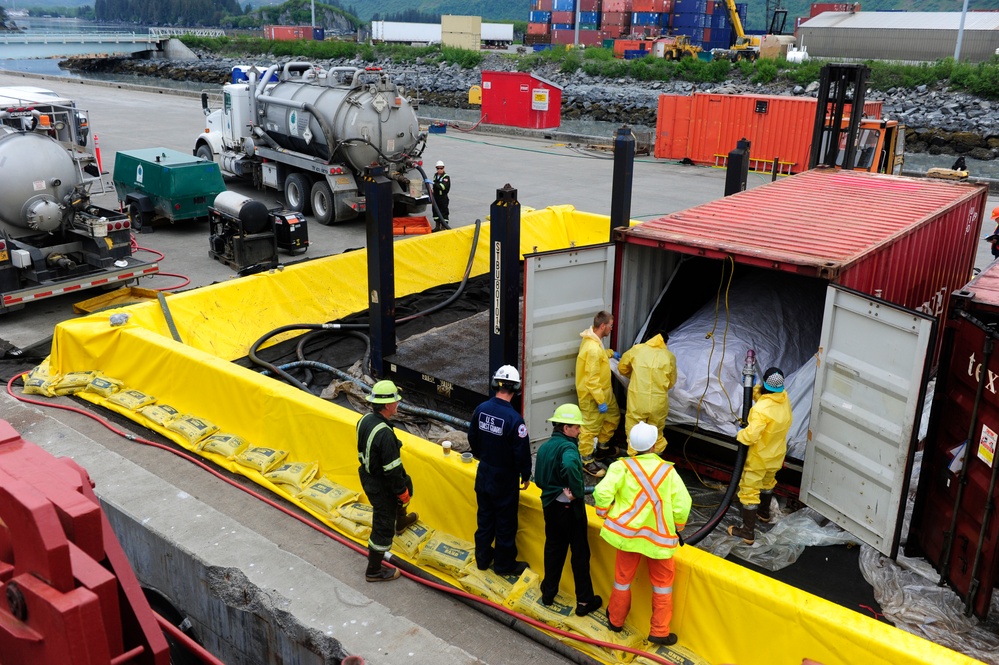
{"x": 641, "y": 516}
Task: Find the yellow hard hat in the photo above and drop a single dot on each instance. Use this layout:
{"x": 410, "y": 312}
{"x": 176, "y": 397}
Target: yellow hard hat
{"x": 384, "y": 392}
{"x": 568, "y": 414}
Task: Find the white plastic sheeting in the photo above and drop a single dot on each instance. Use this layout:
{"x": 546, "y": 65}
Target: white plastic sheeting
{"x": 780, "y": 318}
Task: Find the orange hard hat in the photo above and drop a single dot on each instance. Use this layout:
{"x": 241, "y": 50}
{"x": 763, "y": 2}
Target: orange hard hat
{"x": 995, "y": 212}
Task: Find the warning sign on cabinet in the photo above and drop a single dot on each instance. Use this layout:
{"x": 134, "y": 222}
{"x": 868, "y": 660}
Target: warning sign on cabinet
{"x": 539, "y": 99}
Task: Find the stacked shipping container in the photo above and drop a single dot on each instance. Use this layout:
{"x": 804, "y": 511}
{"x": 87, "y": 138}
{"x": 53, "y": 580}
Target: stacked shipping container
{"x": 706, "y": 22}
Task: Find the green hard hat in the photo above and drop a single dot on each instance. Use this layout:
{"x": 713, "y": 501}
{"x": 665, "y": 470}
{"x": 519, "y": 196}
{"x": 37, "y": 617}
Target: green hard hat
{"x": 384, "y": 392}
{"x": 568, "y": 414}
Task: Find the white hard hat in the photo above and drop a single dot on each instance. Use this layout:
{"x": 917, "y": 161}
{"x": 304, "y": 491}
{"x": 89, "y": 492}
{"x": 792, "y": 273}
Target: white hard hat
{"x": 643, "y": 437}
{"x": 439, "y": 163}
{"x": 507, "y": 377}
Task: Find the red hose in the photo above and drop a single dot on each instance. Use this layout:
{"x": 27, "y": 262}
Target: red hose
{"x": 336, "y": 536}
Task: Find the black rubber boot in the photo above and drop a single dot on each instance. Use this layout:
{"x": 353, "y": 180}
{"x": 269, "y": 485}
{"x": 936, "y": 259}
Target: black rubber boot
{"x": 376, "y": 572}
{"x": 669, "y": 640}
{"x": 404, "y": 520}
{"x": 748, "y": 529}
{"x": 764, "y": 512}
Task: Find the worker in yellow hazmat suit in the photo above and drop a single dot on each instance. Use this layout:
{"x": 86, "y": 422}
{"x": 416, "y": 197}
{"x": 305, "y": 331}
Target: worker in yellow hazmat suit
{"x": 766, "y": 436}
{"x": 651, "y": 368}
{"x": 595, "y": 395}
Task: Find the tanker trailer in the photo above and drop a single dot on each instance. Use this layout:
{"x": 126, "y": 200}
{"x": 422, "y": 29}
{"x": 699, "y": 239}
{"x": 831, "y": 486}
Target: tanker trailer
{"x": 52, "y": 239}
{"x": 314, "y": 133}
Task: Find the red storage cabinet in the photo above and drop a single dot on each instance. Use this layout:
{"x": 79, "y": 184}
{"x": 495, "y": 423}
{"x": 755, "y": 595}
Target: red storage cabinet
{"x": 520, "y": 99}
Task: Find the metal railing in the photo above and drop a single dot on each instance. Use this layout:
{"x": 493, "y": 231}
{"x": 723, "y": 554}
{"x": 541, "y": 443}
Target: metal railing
{"x": 197, "y": 32}
{"x": 78, "y": 38}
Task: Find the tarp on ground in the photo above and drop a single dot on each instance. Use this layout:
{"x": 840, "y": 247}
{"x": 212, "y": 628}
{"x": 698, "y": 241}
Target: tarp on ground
{"x": 723, "y": 612}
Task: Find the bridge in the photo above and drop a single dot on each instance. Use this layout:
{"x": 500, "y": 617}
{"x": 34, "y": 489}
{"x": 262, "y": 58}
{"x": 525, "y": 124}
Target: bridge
{"x": 47, "y": 44}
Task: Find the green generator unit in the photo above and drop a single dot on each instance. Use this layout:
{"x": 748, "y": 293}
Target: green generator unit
{"x": 159, "y": 183}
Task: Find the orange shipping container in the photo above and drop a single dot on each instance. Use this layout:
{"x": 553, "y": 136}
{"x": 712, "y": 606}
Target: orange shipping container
{"x": 616, "y": 6}
{"x": 538, "y": 28}
{"x": 705, "y": 127}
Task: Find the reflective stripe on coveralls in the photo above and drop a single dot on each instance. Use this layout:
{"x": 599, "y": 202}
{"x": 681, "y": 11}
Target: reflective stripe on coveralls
{"x": 364, "y": 457}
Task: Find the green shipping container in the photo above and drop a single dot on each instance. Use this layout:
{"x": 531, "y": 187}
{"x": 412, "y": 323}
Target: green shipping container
{"x": 154, "y": 183}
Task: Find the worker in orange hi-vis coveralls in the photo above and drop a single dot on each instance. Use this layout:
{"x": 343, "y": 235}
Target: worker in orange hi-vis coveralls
{"x": 645, "y": 505}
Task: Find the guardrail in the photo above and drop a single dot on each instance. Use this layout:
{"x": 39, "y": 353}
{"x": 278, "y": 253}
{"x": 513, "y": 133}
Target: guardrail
{"x": 79, "y": 38}
{"x": 197, "y": 32}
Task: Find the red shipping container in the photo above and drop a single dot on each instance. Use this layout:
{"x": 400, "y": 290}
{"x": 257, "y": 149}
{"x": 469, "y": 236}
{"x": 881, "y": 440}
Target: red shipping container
{"x": 563, "y": 37}
{"x": 287, "y": 32}
{"x": 642, "y": 5}
{"x": 590, "y": 38}
{"x": 907, "y": 241}
{"x": 564, "y": 17}
{"x": 542, "y": 5}
{"x": 538, "y": 28}
{"x": 589, "y": 5}
{"x": 910, "y": 241}
{"x": 520, "y": 99}
{"x": 961, "y": 406}
{"x": 706, "y": 34}
{"x": 615, "y": 19}
{"x": 531, "y": 40}
{"x": 819, "y": 7}
{"x": 616, "y": 6}
{"x": 705, "y": 127}
{"x": 612, "y": 31}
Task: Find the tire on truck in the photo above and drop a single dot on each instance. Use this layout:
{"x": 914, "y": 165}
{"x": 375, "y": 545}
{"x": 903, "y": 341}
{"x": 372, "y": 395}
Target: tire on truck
{"x": 297, "y": 189}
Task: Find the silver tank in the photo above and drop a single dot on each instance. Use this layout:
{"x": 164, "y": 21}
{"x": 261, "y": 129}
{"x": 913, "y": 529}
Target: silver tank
{"x": 367, "y": 107}
{"x": 38, "y": 177}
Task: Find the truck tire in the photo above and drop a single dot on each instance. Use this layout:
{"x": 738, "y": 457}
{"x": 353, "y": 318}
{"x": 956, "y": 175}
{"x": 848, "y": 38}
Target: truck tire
{"x": 204, "y": 151}
{"x": 323, "y": 205}
{"x": 296, "y": 193}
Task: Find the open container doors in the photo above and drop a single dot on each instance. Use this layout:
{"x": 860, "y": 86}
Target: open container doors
{"x": 866, "y": 404}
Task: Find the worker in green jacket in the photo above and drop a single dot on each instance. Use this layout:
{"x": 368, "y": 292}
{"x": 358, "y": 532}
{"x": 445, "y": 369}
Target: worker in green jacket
{"x": 559, "y": 473}
{"x": 383, "y": 478}
{"x": 645, "y": 505}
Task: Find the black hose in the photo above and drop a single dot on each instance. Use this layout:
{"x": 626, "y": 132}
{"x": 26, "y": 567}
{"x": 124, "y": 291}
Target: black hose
{"x": 740, "y": 462}
{"x": 252, "y": 355}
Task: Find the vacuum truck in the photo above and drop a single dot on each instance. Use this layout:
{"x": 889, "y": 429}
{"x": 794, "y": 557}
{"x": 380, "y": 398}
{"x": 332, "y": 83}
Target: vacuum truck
{"x": 314, "y": 133}
{"x": 52, "y": 239}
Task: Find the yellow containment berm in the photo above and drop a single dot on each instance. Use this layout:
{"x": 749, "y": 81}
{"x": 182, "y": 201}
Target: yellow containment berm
{"x": 303, "y": 448}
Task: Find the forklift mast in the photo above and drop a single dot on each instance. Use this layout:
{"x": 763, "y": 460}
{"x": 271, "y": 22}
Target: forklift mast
{"x": 839, "y": 85}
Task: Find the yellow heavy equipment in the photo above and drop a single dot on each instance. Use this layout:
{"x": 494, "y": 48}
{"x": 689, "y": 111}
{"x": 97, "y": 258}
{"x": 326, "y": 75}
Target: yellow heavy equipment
{"x": 675, "y": 47}
{"x": 746, "y": 47}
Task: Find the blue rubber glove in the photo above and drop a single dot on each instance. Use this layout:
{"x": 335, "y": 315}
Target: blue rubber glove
{"x": 602, "y": 408}
{"x": 617, "y": 355}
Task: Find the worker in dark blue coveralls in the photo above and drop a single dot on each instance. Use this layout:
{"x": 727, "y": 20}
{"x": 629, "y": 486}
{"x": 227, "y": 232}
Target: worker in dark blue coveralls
{"x": 498, "y": 438}
{"x": 383, "y": 478}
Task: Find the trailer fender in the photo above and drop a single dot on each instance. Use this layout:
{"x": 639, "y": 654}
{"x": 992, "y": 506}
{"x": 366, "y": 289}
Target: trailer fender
{"x": 140, "y": 209}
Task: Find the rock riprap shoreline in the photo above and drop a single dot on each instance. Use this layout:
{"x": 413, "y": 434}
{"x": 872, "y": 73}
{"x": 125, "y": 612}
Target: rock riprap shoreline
{"x": 938, "y": 121}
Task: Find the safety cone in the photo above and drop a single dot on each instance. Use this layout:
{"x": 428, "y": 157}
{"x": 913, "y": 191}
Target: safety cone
{"x": 97, "y": 153}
